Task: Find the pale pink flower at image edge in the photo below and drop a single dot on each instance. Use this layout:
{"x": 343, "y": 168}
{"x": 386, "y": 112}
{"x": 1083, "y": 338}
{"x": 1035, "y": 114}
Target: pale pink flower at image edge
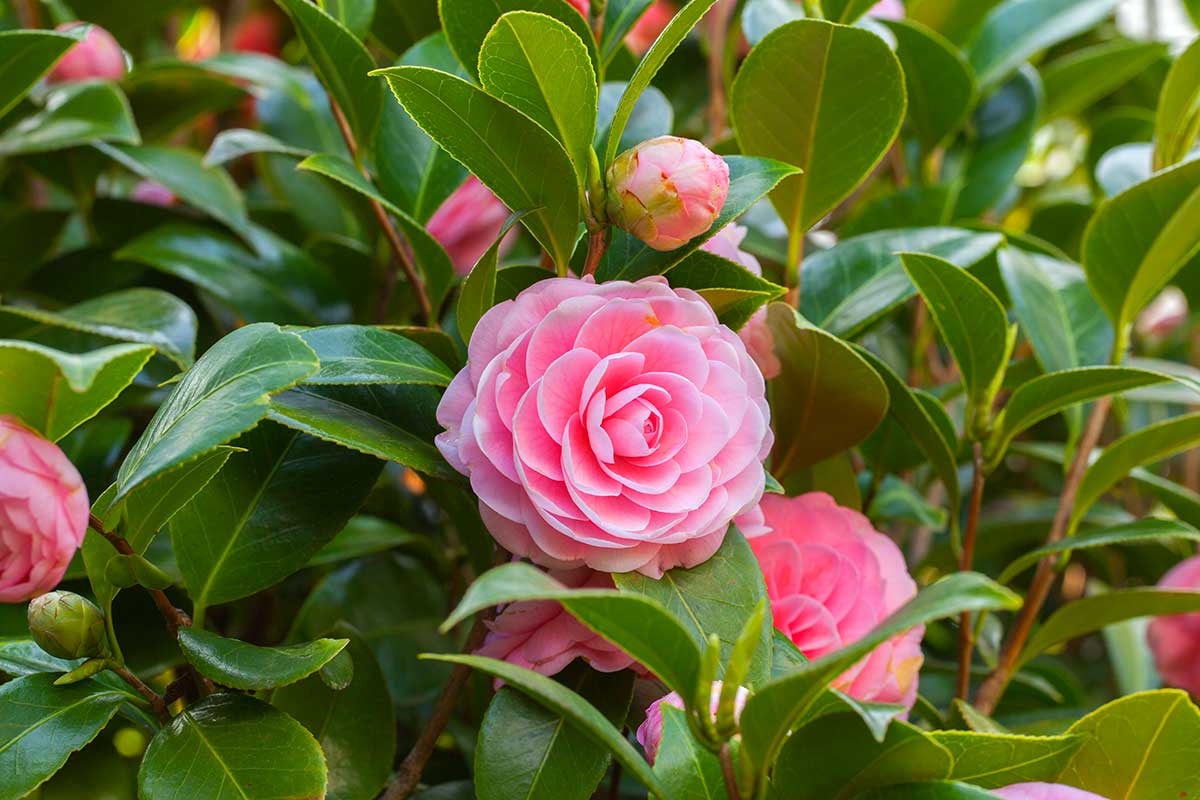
{"x": 1044, "y": 791}
{"x": 467, "y": 224}
{"x": 727, "y": 243}
{"x": 98, "y": 56}
{"x": 43, "y": 512}
{"x": 1175, "y": 640}
{"x": 650, "y": 732}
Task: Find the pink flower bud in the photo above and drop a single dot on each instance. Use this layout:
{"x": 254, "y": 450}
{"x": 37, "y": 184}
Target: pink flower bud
{"x": 667, "y": 191}
{"x": 831, "y": 579}
{"x": 467, "y": 224}
{"x": 97, "y": 56}
{"x": 151, "y": 193}
{"x": 755, "y": 333}
{"x": 43, "y": 512}
{"x": 649, "y": 733}
{"x": 1164, "y": 314}
{"x": 1044, "y": 791}
{"x": 1175, "y": 640}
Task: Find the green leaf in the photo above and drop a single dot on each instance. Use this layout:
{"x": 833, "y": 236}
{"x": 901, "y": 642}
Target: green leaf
{"x": 852, "y": 761}
{"x": 240, "y": 665}
{"x": 630, "y": 259}
{"x": 355, "y": 15}
{"x": 1077, "y": 80}
{"x": 938, "y": 80}
{"x": 342, "y": 64}
{"x": 773, "y": 710}
{"x": 992, "y": 760}
{"x": 639, "y": 625}
{"x": 833, "y": 398}
{"x": 355, "y": 726}
{"x": 362, "y": 355}
{"x": 364, "y": 536}
{"x": 798, "y": 98}
{"x": 1017, "y": 29}
{"x": 266, "y": 513}
{"x": 400, "y": 23}
{"x": 718, "y": 597}
{"x": 143, "y": 316}
{"x": 21, "y": 657}
{"x": 1146, "y": 446}
{"x": 478, "y": 293}
{"x": 232, "y": 144}
{"x": 41, "y": 725}
{"x": 1144, "y": 531}
{"x": 54, "y": 392}
{"x": 853, "y": 284}
{"x": 677, "y": 29}
{"x": 684, "y": 766}
{"x": 568, "y": 704}
{"x": 619, "y": 19}
{"x": 467, "y": 23}
{"x": 73, "y": 117}
{"x": 28, "y": 55}
{"x": 1090, "y": 614}
{"x": 733, "y": 291}
{"x": 530, "y": 752}
{"x": 232, "y": 745}
{"x": 518, "y": 160}
{"x": 653, "y": 114}
{"x": 539, "y": 66}
{"x": 227, "y": 392}
{"x": 1140, "y": 239}
{"x": 1047, "y": 395}
{"x": 1177, "y": 122}
{"x": 1143, "y": 746}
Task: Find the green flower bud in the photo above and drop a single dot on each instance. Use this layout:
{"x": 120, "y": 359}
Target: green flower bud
{"x": 67, "y": 625}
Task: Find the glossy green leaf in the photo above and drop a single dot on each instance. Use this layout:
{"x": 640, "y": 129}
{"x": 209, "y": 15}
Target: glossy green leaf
{"x": 28, "y": 55}
{"x": 1177, "y": 122}
{"x": 539, "y": 66}
{"x": 853, "y": 284}
{"x": 365, "y": 535}
{"x": 233, "y": 143}
{"x": 358, "y": 354}
{"x": 938, "y": 80}
{"x": 240, "y": 665}
{"x": 718, "y": 597}
{"x": 773, "y": 710}
{"x": 356, "y": 731}
{"x": 41, "y": 725}
{"x": 1076, "y": 81}
{"x": 1004, "y": 125}
{"x": 518, "y": 160}
{"x": 54, "y": 392}
{"x": 620, "y": 18}
{"x": 478, "y": 293}
{"x": 685, "y": 767}
{"x": 567, "y": 703}
{"x": 355, "y": 15}
{"x": 143, "y": 316}
{"x": 639, "y": 625}
{"x": 672, "y": 35}
{"x": 21, "y": 657}
{"x": 1017, "y": 29}
{"x": 72, "y": 117}
{"x": 1139, "y": 747}
{"x": 992, "y": 760}
{"x": 797, "y": 99}
{"x": 1123, "y": 167}
{"x": 833, "y": 398}
{"x": 342, "y": 63}
{"x": 226, "y": 393}
{"x": 733, "y": 291}
{"x": 232, "y": 745}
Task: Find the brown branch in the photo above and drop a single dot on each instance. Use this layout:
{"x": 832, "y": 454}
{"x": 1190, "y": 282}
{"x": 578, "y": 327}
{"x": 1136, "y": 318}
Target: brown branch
{"x": 155, "y": 699}
{"x": 994, "y": 685}
{"x": 389, "y": 230}
{"x": 731, "y": 787}
{"x": 174, "y": 618}
{"x": 718, "y": 32}
{"x": 597, "y": 245}
{"x": 966, "y": 636}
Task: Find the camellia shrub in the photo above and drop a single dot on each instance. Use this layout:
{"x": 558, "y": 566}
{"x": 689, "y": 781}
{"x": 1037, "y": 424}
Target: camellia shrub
{"x": 569, "y": 399}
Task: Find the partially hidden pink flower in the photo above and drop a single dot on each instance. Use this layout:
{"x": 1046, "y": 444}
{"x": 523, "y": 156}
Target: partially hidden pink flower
{"x": 1164, "y": 314}
{"x": 618, "y": 426}
{"x": 667, "y": 191}
{"x": 1175, "y": 640}
{"x": 1044, "y": 791}
{"x": 43, "y": 512}
{"x": 645, "y": 30}
{"x": 887, "y": 9}
{"x": 542, "y": 636}
{"x": 650, "y": 732}
{"x": 467, "y": 224}
{"x": 727, "y": 243}
{"x": 831, "y": 578}
{"x": 98, "y": 56}
{"x": 152, "y": 193}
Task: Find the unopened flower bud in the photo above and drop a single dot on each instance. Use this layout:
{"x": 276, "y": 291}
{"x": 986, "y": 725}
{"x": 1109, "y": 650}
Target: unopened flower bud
{"x": 98, "y": 56}
{"x": 67, "y": 625}
{"x": 667, "y": 191}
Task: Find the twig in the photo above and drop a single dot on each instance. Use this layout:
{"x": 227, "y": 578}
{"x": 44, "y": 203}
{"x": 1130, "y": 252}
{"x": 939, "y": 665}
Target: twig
{"x": 718, "y": 32}
{"x": 389, "y": 230}
{"x": 731, "y": 787}
{"x": 995, "y": 683}
{"x": 597, "y": 245}
{"x": 614, "y": 783}
{"x": 174, "y": 618}
{"x": 599, "y": 10}
{"x": 29, "y": 13}
{"x": 966, "y": 636}
{"x": 155, "y": 699}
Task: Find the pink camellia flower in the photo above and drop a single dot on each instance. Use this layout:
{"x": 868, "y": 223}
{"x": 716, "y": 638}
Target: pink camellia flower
{"x": 666, "y": 191}
{"x": 1164, "y": 314}
{"x": 649, "y": 733}
{"x": 887, "y": 9}
{"x": 542, "y": 636}
{"x": 152, "y": 193}
{"x": 648, "y": 27}
{"x": 43, "y": 512}
{"x": 618, "y": 426}
{"x": 97, "y": 57}
{"x": 727, "y": 243}
{"x": 1044, "y": 791}
{"x": 1175, "y": 640}
{"x": 832, "y": 578}
{"x": 468, "y": 223}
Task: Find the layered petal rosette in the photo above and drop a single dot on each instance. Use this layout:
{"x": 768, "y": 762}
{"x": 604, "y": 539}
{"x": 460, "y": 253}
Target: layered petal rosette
{"x": 618, "y": 426}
